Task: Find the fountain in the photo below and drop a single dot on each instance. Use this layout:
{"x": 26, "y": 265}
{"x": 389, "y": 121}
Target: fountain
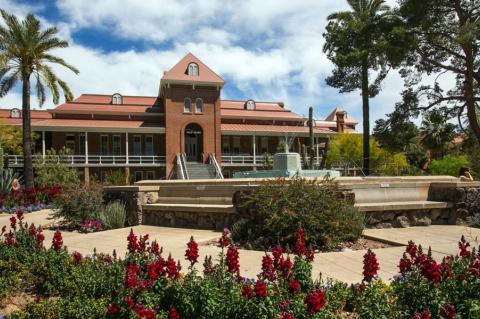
{"x": 287, "y": 165}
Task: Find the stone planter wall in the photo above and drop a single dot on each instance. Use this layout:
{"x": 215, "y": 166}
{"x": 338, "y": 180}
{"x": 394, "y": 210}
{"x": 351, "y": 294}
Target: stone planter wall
{"x": 403, "y": 219}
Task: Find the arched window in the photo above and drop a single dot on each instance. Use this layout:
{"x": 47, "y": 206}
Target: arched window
{"x": 15, "y": 113}
{"x": 187, "y": 105}
{"x": 198, "y": 105}
{"x": 116, "y": 99}
{"x": 250, "y": 105}
{"x": 193, "y": 69}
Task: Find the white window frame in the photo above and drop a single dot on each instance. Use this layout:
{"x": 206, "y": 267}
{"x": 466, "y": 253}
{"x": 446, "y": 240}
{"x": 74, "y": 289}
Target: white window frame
{"x": 193, "y": 69}
{"x": 189, "y": 109}
{"x": 116, "y": 144}
{"x": 150, "y": 175}
{"x": 198, "y": 109}
{"x": 137, "y": 152}
{"x": 70, "y": 143}
{"x": 104, "y": 146}
{"x": 15, "y": 114}
{"x": 146, "y": 145}
{"x": 116, "y": 99}
{"x": 250, "y": 105}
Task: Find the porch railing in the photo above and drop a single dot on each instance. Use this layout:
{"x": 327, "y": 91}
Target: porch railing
{"x": 17, "y": 160}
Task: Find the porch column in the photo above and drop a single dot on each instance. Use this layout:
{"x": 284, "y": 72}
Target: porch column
{"x": 317, "y": 149}
{"x": 43, "y": 144}
{"x": 126, "y": 148}
{"x": 254, "y": 151}
{"x": 86, "y": 147}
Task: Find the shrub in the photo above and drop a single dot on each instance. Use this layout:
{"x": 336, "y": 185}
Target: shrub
{"x": 6, "y": 178}
{"x": 449, "y": 165}
{"x": 77, "y": 203}
{"x": 273, "y": 211}
{"x": 113, "y": 215}
{"x": 115, "y": 177}
{"x": 54, "y": 171}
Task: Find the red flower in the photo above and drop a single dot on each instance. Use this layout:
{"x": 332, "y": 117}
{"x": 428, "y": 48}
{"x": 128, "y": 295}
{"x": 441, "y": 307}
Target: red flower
{"x": 310, "y": 254}
{"x": 191, "y": 254}
{"x": 10, "y": 239}
{"x": 13, "y": 222}
{"x": 405, "y": 264}
{"x": 39, "y": 238}
{"x": 77, "y": 257}
{"x": 128, "y": 299}
{"x": 286, "y": 267}
{"x": 475, "y": 268}
{"x": 277, "y": 253}
{"x": 287, "y": 315}
{"x": 223, "y": 241}
{"x": 412, "y": 249}
{"x": 173, "y": 314}
{"x": 208, "y": 265}
{"x": 294, "y": 286}
{"x": 370, "y": 266}
{"x": 172, "y": 270}
{"x": 232, "y": 261}
{"x": 261, "y": 289}
{"x": 315, "y": 301}
{"x": 112, "y": 308}
{"x": 57, "y": 241}
{"x": 448, "y": 311}
{"x": 423, "y": 315}
{"x": 463, "y": 246}
{"x": 131, "y": 276}
{"x": 133, "y": 245}
{"x": 431, "y": 271}
{"x": 300, "y": 247}
{"x": 247, "y": 291}
{"x": 268, "y": 270}
{"x": 4, "y": 228}
{"x": 20, "y": 215}
{"x": 446, "y": 269}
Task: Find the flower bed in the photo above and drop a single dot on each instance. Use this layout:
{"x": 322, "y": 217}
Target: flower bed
{"x": 29, "y": 200}
{"x": 146, "y": 284}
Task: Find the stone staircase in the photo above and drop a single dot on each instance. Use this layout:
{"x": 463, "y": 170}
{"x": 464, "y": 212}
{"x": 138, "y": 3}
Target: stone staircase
{"x": 200, "y": 170}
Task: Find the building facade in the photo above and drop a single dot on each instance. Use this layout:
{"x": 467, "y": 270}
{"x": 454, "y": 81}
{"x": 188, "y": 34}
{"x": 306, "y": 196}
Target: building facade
{"x": 151, "y": 137}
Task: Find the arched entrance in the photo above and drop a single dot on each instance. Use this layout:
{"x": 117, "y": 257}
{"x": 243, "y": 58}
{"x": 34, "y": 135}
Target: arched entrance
{"x": 193, "y": 142}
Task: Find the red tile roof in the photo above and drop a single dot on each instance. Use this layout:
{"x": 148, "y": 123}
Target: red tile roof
{"x": 103, "y": 103}
{"x": 261, "y": 106}
{"x": 179, "y": 72}
{"x": 96, "y": 123}
{"x": 271, "y": 128}
{"x": 333, "y": 116}
{"x": 263, "y": 110}
{"x": 107, "y": 99}
{"x": 36, "y": 115}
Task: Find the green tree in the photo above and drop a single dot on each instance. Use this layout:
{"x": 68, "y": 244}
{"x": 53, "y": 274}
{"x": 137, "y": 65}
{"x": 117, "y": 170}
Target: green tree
{"x": 445, "y": 42}
{"x": 25, "y": 55}
{"x": 396, "y": 132}
{"x": 11, "y": 139}
{"x": 53, "y": 170}
{"x": 437, "y": 134}
{"x": 367, "y": 38}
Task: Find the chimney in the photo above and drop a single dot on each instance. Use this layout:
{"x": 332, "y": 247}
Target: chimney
{"x": 340, "y": 115}
{"x": 281, "y": 104}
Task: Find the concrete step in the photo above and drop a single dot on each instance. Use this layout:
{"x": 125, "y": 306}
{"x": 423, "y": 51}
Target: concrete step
{"x": 193, "y": 208}
{"x": 406, "y": 205}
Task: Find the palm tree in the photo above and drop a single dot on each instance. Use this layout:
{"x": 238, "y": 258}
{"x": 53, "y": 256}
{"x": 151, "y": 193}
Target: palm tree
{"x": 358, "y": 41}
{"x": 25, "y": 56}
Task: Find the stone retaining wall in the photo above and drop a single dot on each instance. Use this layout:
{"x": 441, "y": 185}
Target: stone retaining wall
{"x": 403, "y": 219}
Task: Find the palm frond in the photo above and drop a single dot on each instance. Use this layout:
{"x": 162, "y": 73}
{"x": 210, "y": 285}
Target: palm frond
{"x": 57, "y": 60}
{"x": 40, "y": 89}
{"x": 7, "y": 83}
{"x": 66, "y": 90}
{"x": 50, "y": 80}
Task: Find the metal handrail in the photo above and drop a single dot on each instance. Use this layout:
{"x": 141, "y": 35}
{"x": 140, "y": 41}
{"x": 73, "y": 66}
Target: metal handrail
{"x": 180, "y": 166}
{"x": 213, "y": 161}
{"x": 183, "y": 163}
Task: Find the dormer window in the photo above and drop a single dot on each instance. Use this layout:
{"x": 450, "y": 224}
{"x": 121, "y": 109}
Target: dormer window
{"x": 15, "y": 113}
{"x": 116, "y": 99}
{"x": 250, "y": 105}
{"x": 192, "y": 69}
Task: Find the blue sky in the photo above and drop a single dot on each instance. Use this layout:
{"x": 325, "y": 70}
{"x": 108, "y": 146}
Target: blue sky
{"x": 268, "y": 50}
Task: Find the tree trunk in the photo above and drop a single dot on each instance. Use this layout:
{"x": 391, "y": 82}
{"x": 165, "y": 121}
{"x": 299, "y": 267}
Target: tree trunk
{"x": 27, "y": 134}
{"x": 366, "y": 118}
{"x": 470, "y": 95}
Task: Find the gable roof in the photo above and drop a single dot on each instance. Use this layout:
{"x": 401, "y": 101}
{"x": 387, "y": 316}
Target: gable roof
{"x": 333, "y": 116}
{"x": 263, "y": 110}
{"x": 178, "y": 73}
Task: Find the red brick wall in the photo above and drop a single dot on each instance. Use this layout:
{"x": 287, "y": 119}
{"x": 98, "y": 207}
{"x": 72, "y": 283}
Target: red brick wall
{"x": 176, "y": 120}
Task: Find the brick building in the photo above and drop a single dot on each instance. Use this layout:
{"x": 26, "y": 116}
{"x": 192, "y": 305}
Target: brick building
{"x": 187, "y": 128}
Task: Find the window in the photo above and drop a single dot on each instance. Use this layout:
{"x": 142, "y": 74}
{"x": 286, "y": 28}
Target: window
{"x": 198, "y": 105}
{"x": 15, "y": 113}
{"x": 81, "y": 144}
{"x": 264, "y": 144}
{"x": 193, "y": 69}
{"x": 70, "y": 143}
{"x": 150, "y": 175}
{"x": 104, "y": 144}
{"x": 236, "y": 145}
{"x": 149, "y": 145}
{"x": 226, "y": 145}
{"x": 116, "y": 145}
{"x": 187, "y": 105}
{"x": 137, "y": 145}
{"x": 250, "y": 105}
{"x": 117, "y": 99}
{"x": 138, "y": 176}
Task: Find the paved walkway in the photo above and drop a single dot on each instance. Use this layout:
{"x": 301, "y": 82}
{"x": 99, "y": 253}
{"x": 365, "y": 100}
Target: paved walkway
{"x": 344, "y": 266}
{"x": 41, "y": 217}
